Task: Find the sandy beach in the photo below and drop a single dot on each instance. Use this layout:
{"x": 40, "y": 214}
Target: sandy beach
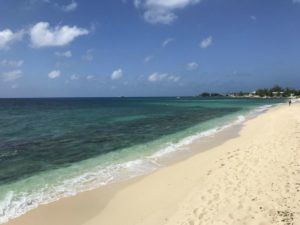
{"x": 250, "y": 179}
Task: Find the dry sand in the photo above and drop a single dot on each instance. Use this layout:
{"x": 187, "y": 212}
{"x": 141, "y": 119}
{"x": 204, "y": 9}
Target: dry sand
{"x": 250, "y": 179}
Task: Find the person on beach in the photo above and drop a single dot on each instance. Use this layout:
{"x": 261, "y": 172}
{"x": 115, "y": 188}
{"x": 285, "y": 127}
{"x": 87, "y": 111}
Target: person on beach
{"x": 290, "y": 102}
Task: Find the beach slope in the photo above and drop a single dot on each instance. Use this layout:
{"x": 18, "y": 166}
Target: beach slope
{"x": 251, "y": 179}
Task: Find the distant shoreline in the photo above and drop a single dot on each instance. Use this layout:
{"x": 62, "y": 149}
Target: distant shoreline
{"x": 131, "y": 97}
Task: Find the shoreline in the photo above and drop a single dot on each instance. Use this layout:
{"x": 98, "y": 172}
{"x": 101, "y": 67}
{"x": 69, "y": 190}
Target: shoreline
{"x": 166, "y": 156}
{"x": 204, "y": 143}
{"x": 90, "y": 204}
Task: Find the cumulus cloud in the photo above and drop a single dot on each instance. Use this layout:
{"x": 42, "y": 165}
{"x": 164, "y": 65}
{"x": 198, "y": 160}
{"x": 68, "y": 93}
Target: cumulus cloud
{"x": 192, "y": 66}
{"x": 162, "y": 11}
{"x": 205, "y": 43}
{"x": 161, "y": 16}
{"x": 7, "y": 37}
{"x": 157, "y": 77}
{"x": 12, "y": 63}
{"x": 54, "y": 74}
{"x": 154, "y": 77}
{"x": 167, "y": 41}
{"x": 117, "y": 74}
{"x": 66, "y": 54}
{"x": 254, "y": 17}
{"x": 42, "y": 35}
{"x": 70, "y": 7}
{"x": 171, "y": 4}
{"x": 11, "y": 75}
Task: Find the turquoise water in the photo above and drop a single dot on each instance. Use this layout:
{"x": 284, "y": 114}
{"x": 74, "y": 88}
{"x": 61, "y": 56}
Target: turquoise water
{"x": 51, "y": 148}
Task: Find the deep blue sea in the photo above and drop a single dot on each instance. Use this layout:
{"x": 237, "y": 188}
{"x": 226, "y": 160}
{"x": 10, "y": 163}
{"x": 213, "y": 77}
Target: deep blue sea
{"x": 57, "y": 147}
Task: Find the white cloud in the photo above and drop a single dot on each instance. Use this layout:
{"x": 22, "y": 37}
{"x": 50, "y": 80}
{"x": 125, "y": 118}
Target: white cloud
{"x": 74, "y": 77}
{"x": 88, "y": 56}
{"x": 167, "y": 41}
{"x": 12, "y": 63}
{"x": 254, "y": 17}
{"x": 148, "y": 58}
{"x": 162, "y": 16}
{"x": 42, "y": 35}
{"x": 171, "y": 4}
{"x": 192, "y": 66}
{"x": 11, "y": 75}
{"x": 162, "y": 11}
{"x": 173, "y": 78}
{"x": 296, "y": 1}
{"x": 117, "y": 74}
{"x": 70, "y": 7}
{"x": 205, "y": 43}
{"x": 90, "y": 77}
{"x": 7, "y": 37}
{"x": 154, "y": 77}
{"x": 54, "y": 74}
{"x": 66, "y": 54}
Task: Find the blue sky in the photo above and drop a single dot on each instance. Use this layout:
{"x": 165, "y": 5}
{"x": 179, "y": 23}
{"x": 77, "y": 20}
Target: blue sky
{"x": 51, "y": 48}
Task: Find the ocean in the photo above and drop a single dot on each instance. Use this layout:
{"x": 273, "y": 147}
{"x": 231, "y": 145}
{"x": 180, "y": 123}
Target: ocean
{"x": 56, "y": 147}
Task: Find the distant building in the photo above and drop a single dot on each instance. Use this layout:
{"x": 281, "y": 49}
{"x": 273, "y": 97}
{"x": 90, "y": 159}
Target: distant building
{"x": 278, "y": 94}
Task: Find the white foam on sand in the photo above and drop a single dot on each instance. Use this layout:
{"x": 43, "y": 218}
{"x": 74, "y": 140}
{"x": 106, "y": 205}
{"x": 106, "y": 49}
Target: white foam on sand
{"x": 174, "y": 147}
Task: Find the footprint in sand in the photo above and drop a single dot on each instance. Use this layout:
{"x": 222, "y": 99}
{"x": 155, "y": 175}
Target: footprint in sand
{"x": 191, "y": 222}
{"x": 195, "y": 211}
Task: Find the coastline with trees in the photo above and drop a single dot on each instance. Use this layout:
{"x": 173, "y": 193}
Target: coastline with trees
{"x": 274, "y": 92}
